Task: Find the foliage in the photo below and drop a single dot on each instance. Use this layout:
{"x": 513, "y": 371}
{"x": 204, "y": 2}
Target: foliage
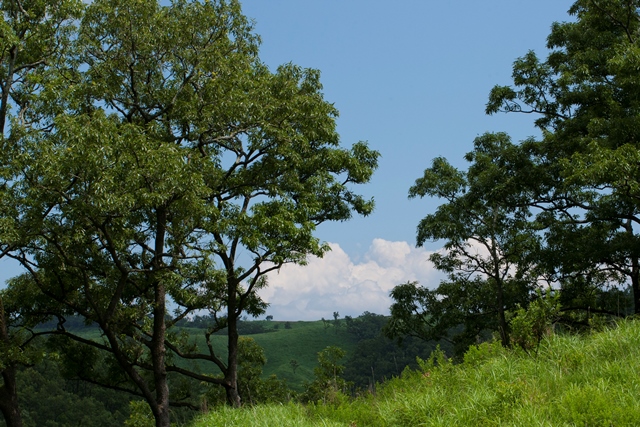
{"x": 562, "y": 208}
{"x": 377, "y": 358}
{"x": 529, "y": 326}
{"x": 140, "y": 415}
{"x": 328, "y": 385}
{"x": 165, "y": 149}
{"x": 253, "y": 388}
{"x": 47, "y": 398}
{"x": 582, "y": 173}
{"x": 488, "y": 255}
{"x": 336, "y": 321}
{"x": 34, "y": 34}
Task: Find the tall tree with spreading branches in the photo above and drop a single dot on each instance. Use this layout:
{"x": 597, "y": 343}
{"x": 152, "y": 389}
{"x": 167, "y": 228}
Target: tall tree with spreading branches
{"x": 587, "y": 184}
{"x": 176, "y": 173}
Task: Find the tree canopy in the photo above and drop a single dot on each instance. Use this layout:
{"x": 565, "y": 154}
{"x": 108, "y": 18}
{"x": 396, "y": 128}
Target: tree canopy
{"x": 561, "y": 209}
{"x": 169, "y": 172}
{"x": 488, "y": 253}
{"x": 585, "y": 164}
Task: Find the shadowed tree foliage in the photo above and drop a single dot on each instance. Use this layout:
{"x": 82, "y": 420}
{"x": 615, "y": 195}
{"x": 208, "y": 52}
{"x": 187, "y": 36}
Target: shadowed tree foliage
{"x": 378, "y": 358}
{"x": 489, "y": 249}
{"x": 584, "y": 174}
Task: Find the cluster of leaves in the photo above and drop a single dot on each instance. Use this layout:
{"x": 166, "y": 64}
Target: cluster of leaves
{"x": 529, "y": 326}
{"x": 328, "y": 385}
{"x": 49, "y": 398}
{"x": 559, "y": 212}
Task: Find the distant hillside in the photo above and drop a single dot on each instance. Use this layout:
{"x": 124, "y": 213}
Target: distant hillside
{"x": 590, "y": 380}
{"x": 284, "y": 341}
{"x": 370, "y": 357}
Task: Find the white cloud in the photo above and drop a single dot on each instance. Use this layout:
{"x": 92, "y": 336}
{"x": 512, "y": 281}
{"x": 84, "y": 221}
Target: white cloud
{"x": 337, "y": 283}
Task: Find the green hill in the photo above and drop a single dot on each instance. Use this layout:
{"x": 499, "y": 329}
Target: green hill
{"x": 302, "y": 342}
{"x": 590, "y": 380}
{"x": 284, "y": 341}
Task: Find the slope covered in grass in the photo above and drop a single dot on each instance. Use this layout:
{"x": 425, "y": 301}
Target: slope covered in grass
{"x": 591, "y": 380}
{"x": 300, "y": 341}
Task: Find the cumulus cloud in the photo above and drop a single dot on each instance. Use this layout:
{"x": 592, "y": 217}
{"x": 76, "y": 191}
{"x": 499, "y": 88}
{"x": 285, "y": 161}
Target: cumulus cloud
{"x": 337, "y": 283}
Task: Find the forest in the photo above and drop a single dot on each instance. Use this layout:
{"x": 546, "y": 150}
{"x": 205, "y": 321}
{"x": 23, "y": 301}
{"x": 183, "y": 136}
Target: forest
{"x": 154, "y": 171}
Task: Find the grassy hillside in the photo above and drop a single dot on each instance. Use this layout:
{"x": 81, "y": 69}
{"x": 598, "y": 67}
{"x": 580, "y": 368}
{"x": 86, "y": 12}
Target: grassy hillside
{"x": 592, "y": 380}
{"x": 302, "y": 342}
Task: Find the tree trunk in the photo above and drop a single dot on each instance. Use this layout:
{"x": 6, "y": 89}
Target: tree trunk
{"x": 502, "y": 320}
{"x": 161, "y": 410}
{"x": 9, "y": 398}
{"x": 635, "y": 283}
{"x": 503, "y": 327}
{"x": 4, "y": 103}
{"x": 9, "y": 390}
{"x": 635, "y": 271}
{"x": 158, "y": 351}
{"x": 231, "y": 376}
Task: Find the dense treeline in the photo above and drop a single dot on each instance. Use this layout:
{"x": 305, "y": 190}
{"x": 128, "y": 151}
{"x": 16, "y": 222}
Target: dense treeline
{"x": 49, "y": 399}
{"x": 376, "y": 357}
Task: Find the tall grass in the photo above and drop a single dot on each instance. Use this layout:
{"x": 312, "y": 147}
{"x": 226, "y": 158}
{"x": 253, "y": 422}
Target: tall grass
{"x": 590, "y": 380}
{"x": 290, "y": 415}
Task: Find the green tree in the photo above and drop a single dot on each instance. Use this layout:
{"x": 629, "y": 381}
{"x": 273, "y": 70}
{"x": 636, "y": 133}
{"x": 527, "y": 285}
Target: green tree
{"x": 488, "y": 251}
{"x": 294, "y": 365}
{"x": 531, "y": 325}
{"x": 11, "y": 356}
{"x": 377, "y": 358}
{"x": 33, "y": 35}
{"x": 583, "y": 174}
{"x": 328, "y": 382}
{"x": 47, "y": 398}
{"x": 251, "y": 360}
{"x": 253, "y": 389}
{"x": 177, "y": 167}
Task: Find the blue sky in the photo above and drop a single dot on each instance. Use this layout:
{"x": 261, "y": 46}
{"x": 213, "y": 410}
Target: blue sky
{"x": 412, "y": 78}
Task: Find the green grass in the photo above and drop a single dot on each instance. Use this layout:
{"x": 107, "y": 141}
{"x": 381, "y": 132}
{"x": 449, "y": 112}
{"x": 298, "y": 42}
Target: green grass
{"x": 264, "y": 416}
{"x": 590, "y": 380}
{"x": 302, "y": 342}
